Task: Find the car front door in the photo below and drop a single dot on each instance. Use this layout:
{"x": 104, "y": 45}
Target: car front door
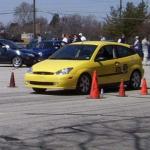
{"x": 3, "y": 54}
{"x": 108, "y": 64}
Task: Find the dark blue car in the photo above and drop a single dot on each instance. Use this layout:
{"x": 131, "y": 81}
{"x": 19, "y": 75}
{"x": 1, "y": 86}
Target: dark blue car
{"x": 44, "y": 48}
{"x": 17, "y": 56}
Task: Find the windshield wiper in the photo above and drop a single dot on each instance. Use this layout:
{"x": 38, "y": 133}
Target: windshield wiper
{"x": 65, "y": 58}
{"x": 52, "y": 58}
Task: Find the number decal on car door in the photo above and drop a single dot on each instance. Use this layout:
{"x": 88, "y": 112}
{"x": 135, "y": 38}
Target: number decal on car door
{"x": 122, "y": 69}
{"x": 125, "y": 68}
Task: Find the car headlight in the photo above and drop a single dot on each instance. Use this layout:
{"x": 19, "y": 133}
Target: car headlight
{"x": 40, "y": 53}
{"x": 64, "y": 71}
{"x": 29, "y": 70}
{"x": 18, "y": 52}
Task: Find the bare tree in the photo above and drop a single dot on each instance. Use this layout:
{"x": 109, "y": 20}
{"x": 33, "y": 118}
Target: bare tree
{"x": 42, "y": 25}
{"x": 14, "y": 31}
{"x": 24, "y": 13}
{"x": 75, "y": 24}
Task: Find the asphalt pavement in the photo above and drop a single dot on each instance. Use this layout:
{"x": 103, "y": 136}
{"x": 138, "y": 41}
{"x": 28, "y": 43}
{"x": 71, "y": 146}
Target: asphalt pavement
{"x": 66, "y": 121}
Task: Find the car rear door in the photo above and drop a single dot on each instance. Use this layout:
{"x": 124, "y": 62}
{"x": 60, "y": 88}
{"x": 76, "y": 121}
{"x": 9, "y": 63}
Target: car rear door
{"x": 125, "y": 59}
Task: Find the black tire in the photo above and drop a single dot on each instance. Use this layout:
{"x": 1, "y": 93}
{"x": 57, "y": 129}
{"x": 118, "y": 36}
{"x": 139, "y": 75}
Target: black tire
{"x": 38, "y": 90}
{"x": 17, "y": 61}
{"x": 84, "y": 84}
{"x": 135, "y": 80}
{"x": 29, "y": 65}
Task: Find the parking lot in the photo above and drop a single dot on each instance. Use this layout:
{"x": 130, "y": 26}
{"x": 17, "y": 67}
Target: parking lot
{"x": 64, "y": 120}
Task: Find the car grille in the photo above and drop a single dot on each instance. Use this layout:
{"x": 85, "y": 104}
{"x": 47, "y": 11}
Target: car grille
{"x": 43, "y": 73}
{"x": 41, "y": 83}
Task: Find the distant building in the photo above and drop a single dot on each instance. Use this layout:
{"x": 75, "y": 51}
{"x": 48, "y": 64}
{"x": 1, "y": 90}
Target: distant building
{"x": 26, "y": 37}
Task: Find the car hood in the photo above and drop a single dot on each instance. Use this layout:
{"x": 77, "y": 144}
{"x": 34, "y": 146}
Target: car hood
{"x": 27, "y": 51}
{"x": 44, "y": 51}
{"x": 30, "y": 51}
{"x": 55, "y": 65}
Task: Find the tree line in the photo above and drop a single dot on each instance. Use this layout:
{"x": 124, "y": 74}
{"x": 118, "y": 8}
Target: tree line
{"x": 133, "y": 20}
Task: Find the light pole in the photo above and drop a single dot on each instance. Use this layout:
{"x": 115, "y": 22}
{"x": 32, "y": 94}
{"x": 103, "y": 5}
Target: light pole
{"x": 34, "y": 20}
{"x": 120, "y": 8}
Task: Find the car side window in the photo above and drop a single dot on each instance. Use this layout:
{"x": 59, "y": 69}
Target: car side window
{"x": 106, "y": 52}
{"x": 123, "y": 51}
{"x": 47, "y": 45}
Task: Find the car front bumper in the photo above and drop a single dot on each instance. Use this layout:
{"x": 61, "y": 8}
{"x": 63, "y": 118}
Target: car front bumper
{"x": 50, "y": 81}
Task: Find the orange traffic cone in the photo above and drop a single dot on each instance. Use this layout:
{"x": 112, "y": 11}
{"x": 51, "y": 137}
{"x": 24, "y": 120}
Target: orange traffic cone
{"x": 122, "y": 89}
{"x": 144, "y": 90}
{"x": 12, "y": 80}
{"x": 94, "y": 93}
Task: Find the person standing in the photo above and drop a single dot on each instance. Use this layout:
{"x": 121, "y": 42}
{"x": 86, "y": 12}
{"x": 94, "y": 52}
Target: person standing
{"x": 138, "y": 46}
{"x": 103, "y": 38}
{"x": 39, "y": 38}
{"x": 83, "y": 38}
{"x": 76, "y": 38}
{"x": 64, "y": 39}
{"x": 122, "y": 39}
{"x": 145, "y": 47}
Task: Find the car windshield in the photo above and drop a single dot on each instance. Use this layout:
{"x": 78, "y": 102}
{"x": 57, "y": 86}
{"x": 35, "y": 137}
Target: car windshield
{"x": 32, "y": 44}
{"x": 46, "y": 45}
{"x": 75, "y": 52}
{"x": 43, "y": 44}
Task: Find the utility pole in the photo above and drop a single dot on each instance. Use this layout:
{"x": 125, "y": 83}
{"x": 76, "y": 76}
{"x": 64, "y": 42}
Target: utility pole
{"x": 120, "y": 8}
{"x": 34, "y": 20}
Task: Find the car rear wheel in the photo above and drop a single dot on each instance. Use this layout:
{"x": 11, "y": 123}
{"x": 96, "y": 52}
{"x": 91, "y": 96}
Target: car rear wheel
{"x": 84, "y": 84}
{"x": 38, "y": 90}
{"x": 17, "y": 61}
{"x": 135, "y": 80}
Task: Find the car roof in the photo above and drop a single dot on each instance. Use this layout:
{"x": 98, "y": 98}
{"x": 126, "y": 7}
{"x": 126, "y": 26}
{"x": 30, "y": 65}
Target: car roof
{"x": 4, "y": 40}
{"x": 102, "y": 43}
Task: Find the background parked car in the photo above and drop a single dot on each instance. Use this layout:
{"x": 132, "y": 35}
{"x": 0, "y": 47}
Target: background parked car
{"x": 45, "y": 48}
{"x": 16, "y": 55}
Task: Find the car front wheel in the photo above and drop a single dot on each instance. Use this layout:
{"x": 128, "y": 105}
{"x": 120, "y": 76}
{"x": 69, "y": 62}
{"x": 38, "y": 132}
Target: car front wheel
{"x": 84, "y": 84}
{"x": 135, "y": 80}
{"x": 29, "y": 65}
{"x": 17, "y": 61}
{"x": 38, "y": 90}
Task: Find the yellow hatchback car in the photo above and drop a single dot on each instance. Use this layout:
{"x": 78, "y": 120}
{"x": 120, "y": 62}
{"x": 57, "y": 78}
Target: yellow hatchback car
{"x": 72, "y": 66}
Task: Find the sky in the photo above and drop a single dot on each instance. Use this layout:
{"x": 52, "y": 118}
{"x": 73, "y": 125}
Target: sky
{"x": 97, "y": 8}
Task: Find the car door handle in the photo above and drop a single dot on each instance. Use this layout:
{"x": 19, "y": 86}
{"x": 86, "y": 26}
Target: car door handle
{"x": 117, "y": 63}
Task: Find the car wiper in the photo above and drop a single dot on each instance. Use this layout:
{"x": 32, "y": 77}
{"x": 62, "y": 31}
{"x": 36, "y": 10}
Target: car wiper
{"x": 65, "y": 58}
{"x": 52, "y": 58}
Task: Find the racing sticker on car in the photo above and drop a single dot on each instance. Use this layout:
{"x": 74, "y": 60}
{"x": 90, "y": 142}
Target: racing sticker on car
{"x": 122, "y": 69}
{"x": 125, "y": 68}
